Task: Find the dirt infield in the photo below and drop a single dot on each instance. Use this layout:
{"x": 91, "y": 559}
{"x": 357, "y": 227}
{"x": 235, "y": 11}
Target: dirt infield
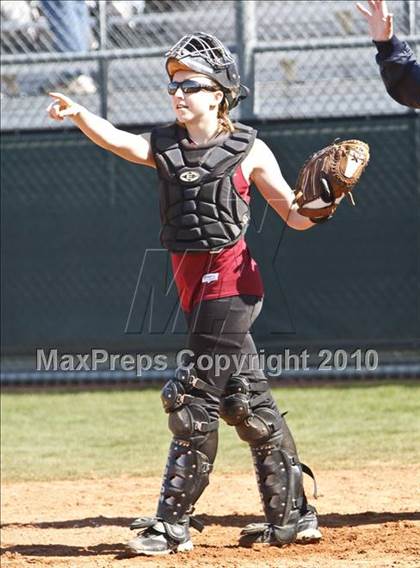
{"x": 368, "y": 519}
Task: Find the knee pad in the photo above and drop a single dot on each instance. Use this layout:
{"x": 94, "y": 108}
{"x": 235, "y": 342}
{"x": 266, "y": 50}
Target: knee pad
{"x": 178, "y": 391}
{"x": 254, "y": 415}
{"x": 190, "y": 420}
{"x": 240, "y": 398}
{"x": 175, "y": 392}
{"x": 260, "y": 426}
{"x": 187, "y": 414}
{"x": 235, "y": 404}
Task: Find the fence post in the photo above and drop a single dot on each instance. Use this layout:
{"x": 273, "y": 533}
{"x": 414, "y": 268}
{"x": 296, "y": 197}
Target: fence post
{"x": 411, "y": 8}
{"x": 103, "y": 63}
{"x": 245, "y": 42}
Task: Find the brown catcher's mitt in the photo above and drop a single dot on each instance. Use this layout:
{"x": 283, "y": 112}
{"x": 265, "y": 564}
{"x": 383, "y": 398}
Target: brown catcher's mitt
{"x": 328, "y": 176}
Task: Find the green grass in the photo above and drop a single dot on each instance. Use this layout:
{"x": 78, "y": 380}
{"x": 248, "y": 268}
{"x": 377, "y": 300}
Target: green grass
{"x": 51, "y": 435}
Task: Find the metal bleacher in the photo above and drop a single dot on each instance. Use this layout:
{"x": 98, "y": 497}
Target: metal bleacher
{"x": 310, "y": 59}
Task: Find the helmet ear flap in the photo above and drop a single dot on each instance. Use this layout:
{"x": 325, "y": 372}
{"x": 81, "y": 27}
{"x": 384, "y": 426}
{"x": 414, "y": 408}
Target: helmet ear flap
{"x": 243, "y": 92}
{"x": 231, "y": 100}
{"x": 235, "y": 98}
{"x": 232, "y": 74}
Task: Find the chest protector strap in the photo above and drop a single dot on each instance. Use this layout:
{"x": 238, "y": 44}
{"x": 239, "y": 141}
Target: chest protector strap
{"x": 200, "y": 209}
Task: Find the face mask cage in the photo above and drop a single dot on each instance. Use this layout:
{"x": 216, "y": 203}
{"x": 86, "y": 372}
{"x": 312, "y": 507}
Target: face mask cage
{"x": 204, "y": 46}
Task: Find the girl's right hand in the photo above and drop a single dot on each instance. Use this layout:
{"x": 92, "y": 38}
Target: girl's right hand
{"x": 62, "y": 107}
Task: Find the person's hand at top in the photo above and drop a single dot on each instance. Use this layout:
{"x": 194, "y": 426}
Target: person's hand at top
{"x": 62, "y": 107}
{"x": 379, "y": 20}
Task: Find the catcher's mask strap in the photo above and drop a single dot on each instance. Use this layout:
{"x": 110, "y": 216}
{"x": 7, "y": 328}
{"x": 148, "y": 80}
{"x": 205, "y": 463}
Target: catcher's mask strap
{"x": 243, "y": 92}
{"x": 234, "y": 99}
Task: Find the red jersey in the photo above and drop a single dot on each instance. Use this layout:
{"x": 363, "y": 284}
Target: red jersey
{"x": 230, "y": 272}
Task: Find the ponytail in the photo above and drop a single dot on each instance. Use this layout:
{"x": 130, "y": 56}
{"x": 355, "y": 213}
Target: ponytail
{"x": 225, "y": 123}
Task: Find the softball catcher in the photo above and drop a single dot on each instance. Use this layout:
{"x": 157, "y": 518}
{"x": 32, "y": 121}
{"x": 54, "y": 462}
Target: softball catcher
{"x": 205, "y": 164}
{"x": 190, "y": 174}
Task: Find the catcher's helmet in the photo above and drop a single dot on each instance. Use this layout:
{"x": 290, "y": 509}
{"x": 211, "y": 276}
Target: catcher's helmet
{"x": 205, "y": 54}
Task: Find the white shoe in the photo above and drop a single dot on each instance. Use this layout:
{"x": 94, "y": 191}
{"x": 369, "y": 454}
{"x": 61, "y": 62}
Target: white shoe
{"x": 307, "y": 528}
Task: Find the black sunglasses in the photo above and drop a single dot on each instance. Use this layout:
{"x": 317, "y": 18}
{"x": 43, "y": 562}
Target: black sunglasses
{"x": 190, "y": 86}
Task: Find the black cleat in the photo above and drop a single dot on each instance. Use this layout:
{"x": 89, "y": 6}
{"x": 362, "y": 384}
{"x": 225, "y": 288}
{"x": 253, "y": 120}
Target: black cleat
{"x": 266, "y": 533}
{"x": 159, "y": 538}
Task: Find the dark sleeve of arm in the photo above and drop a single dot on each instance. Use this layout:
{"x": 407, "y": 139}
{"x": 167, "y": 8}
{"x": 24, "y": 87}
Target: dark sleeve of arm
{"x": 400, "y": 71}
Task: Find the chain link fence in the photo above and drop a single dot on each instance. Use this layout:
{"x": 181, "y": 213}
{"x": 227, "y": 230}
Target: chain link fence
{"x": 75, "y": 237}
{"x": 302, "y": 59}
{"x": 82, "y": 267}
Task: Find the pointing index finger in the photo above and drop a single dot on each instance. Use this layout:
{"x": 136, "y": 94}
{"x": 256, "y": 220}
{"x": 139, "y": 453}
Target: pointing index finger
{"x": 61, "y": 97}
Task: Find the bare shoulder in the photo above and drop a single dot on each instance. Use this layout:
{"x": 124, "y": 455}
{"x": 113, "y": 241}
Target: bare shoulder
{"x": 260, "y": 145}
{"x": 259, "y": 152}
{"x": 257, "y": 156}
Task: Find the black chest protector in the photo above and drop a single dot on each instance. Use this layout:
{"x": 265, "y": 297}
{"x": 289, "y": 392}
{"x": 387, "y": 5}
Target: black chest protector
{"x": 200, "y": 209}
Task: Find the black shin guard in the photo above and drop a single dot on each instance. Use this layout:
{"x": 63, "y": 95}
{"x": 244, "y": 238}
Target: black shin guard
{"x": 193, "y": 448}
{"x": 277, "y": 467}
{"x": 186, "y": 475}
{"x": 279, "y": 477}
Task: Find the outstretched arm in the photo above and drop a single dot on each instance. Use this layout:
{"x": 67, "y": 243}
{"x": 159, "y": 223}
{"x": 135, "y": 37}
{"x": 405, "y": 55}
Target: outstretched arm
{"x": 132, "y": 147}
{"x": 273, "y": 187}
{"x": 399, "y": 70}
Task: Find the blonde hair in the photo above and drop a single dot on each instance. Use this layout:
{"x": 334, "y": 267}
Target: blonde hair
{"x": 225, "y": 123}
